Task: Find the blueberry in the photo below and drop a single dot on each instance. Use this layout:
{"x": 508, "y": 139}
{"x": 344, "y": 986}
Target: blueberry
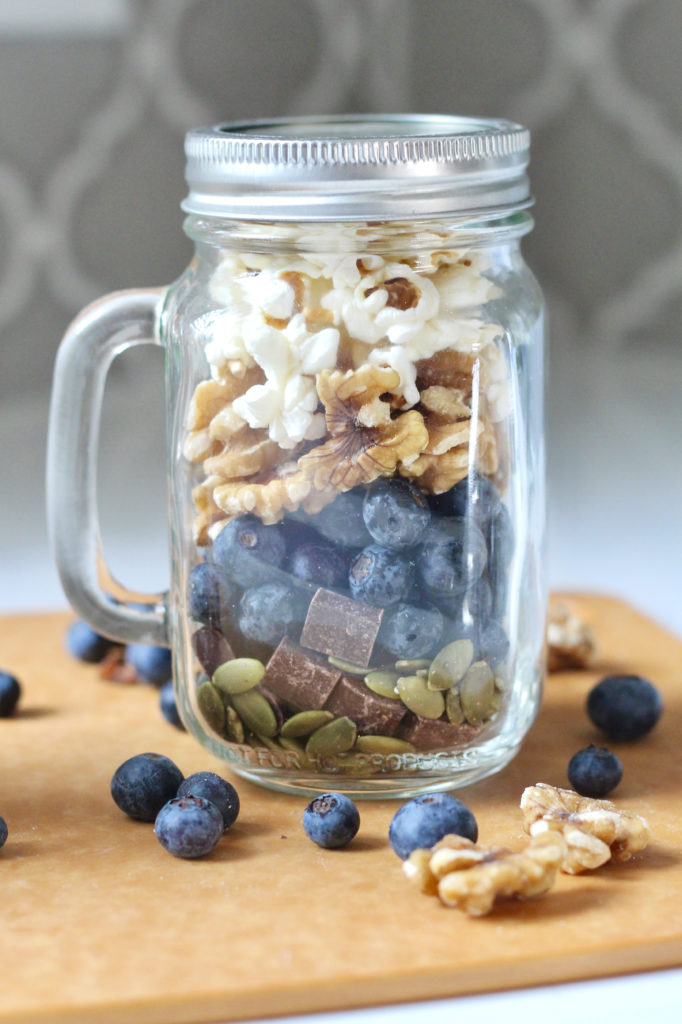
{"x": 209, "y": 594}
{"x": 215, "y": 789}
{"x": 84, "y": 643}
{"x": 331, "y": 820}
{"x": 475, "y": 603}
{"x": 298, "y": 531}
{"x": 379, "y": 576}
{"x": 168, "y": 705}
{"x": 422, "y": 822}
{"x": 624, "y": 707}
{"x": 342, "y": 522}
{"x": 475, "y": 497}
{"x": 319, "y": 563}
{"x": 269, "y": 612}
{"x": 155, "y": 664}
{"x": 246, "y": 550}
{"x": 143, "y": 784}
{"x": 499, "y": 535}
{"x": 409, "y": 631}
{"x": 452, "y": 557}
{"x": 4, "y": 832}
{"x": 594, "y": 771}
{"x": 491, "y": 642}
{"x": 489, "y": 638}
{"x": 188, "y": 826}
{"x": 10, "y": 692}
{"x": 395, "y": 513}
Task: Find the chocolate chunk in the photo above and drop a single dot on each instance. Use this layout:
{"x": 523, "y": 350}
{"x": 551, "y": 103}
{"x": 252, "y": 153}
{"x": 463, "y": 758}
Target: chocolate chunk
{"x": 372, "y": 714}
{"x": 211, "y": 648}
{"x": 434, "y": 734}
{"x": 342, "y": 627}
{"x": 298, "y": 677}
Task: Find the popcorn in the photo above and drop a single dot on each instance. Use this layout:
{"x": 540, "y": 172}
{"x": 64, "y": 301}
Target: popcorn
{"x": 286, "y": 403}
{"x": 393, "y": 303}
{"x": 379, "y": 359}
{"x": 462, "y": 285}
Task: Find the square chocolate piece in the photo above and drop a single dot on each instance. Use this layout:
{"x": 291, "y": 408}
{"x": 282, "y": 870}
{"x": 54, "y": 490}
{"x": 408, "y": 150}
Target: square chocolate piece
{"x": 435, "y": 734}
{"x": 299, "y": 678}
{"x": 341, "y": 627}
{"x": 373, "y": 715}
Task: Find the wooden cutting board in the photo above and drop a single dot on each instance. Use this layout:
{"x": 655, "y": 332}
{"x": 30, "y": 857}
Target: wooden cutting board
{"x": 100, "y": 923}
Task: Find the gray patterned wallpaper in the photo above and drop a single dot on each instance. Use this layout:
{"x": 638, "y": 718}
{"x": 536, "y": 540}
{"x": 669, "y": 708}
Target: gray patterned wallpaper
{"x": 96, "y": 98}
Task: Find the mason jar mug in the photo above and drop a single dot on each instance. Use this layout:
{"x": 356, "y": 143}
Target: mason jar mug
{"x": 354, "y": 448}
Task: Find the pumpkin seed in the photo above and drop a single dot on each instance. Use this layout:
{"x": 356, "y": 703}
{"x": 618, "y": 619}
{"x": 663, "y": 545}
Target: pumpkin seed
{"x": 450, "y": 664}
{"x": 417, "y": 697}
{"x": 411, "y": 665}
{"x": 453, "y": 707}
{"x": 266, "y": 741}
{"x": 286, "y": 743}
{"x": 333, "y": 738}
{"x": 477, "y": 693}
{"x": 382, "y": 682}
{"x": 346, "y": 666}
{"x": 238, "y": 675}
{"x": 501, "y": 681}
{"x": 211, "y": 706}
{"x": 305, "y": 722}
{"x": 256, "y": 713}
{"x": 234, "y": 728}
{"x": 383, "y": 745}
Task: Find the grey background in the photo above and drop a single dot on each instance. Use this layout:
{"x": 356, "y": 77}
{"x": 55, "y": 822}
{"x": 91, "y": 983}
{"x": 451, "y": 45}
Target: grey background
{"x": 96, "y": 97}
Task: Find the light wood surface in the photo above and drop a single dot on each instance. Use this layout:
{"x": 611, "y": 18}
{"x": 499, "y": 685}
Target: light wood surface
{"x": 100, "y": 923}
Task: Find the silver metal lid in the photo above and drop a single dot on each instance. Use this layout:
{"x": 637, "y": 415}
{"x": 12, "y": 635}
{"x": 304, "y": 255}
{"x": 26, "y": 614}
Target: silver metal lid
{"x": 357, "y": 167}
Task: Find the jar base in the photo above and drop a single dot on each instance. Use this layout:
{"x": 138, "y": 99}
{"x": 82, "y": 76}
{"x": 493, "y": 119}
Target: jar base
{"x": 454, "y": 771}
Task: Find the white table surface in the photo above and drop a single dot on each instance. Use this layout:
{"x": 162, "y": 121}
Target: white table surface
{"x": 654, "y": 996}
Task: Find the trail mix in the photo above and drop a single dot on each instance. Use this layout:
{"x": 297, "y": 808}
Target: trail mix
{"x": 350, "y": 448}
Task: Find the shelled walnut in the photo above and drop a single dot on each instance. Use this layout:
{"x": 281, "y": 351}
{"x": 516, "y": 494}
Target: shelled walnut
{"x": 595, "y": 831}
{"x": 471, "y": 877}
{"x": 571, "y": 643}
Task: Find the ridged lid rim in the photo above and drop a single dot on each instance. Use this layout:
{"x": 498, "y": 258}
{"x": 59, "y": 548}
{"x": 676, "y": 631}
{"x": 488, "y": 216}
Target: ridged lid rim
{"x": 356, "y": 167}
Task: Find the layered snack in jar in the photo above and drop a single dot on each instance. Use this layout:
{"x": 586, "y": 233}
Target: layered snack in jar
{"x": 349, "y": 444}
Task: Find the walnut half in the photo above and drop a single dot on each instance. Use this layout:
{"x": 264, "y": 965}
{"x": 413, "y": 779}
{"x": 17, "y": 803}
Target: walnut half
{"x": 471, "y": 878}
{"x": 595, "y": 831}
{"x": 571, "y": 643}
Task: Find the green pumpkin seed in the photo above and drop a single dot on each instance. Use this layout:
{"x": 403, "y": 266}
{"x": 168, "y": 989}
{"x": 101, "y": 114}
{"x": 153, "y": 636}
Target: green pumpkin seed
{"x": 305, "y": 722}
{"x": 417, "y": 697}
{"x": 496, "y": 701}
{"x": 453, "y": 707}
{"x": 234, "y": 727}
{"x": 410, "y": 666}
{"x": 346, "y": 666}
{"x": 286, "y": 743}
{"x": 450, "y": 664}
{"x": 210, "y": 704}
{"x": 238, "y": 675}
{"x": 256, "y": 713}
{"x": 477, "y": 693}
{"x": 382, "y": 682}
{"x": 333, "y": 738}
{"x": 383, "y": 745}
{"x": 265, "y": 741}
{"x": 501, "y": 682}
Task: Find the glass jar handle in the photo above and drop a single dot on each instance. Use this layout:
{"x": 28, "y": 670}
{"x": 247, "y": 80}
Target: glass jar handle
{"x": 98, "y": 334}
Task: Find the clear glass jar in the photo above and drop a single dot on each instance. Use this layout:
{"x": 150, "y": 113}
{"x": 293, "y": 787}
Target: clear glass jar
{"x": 355, "y": 454}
